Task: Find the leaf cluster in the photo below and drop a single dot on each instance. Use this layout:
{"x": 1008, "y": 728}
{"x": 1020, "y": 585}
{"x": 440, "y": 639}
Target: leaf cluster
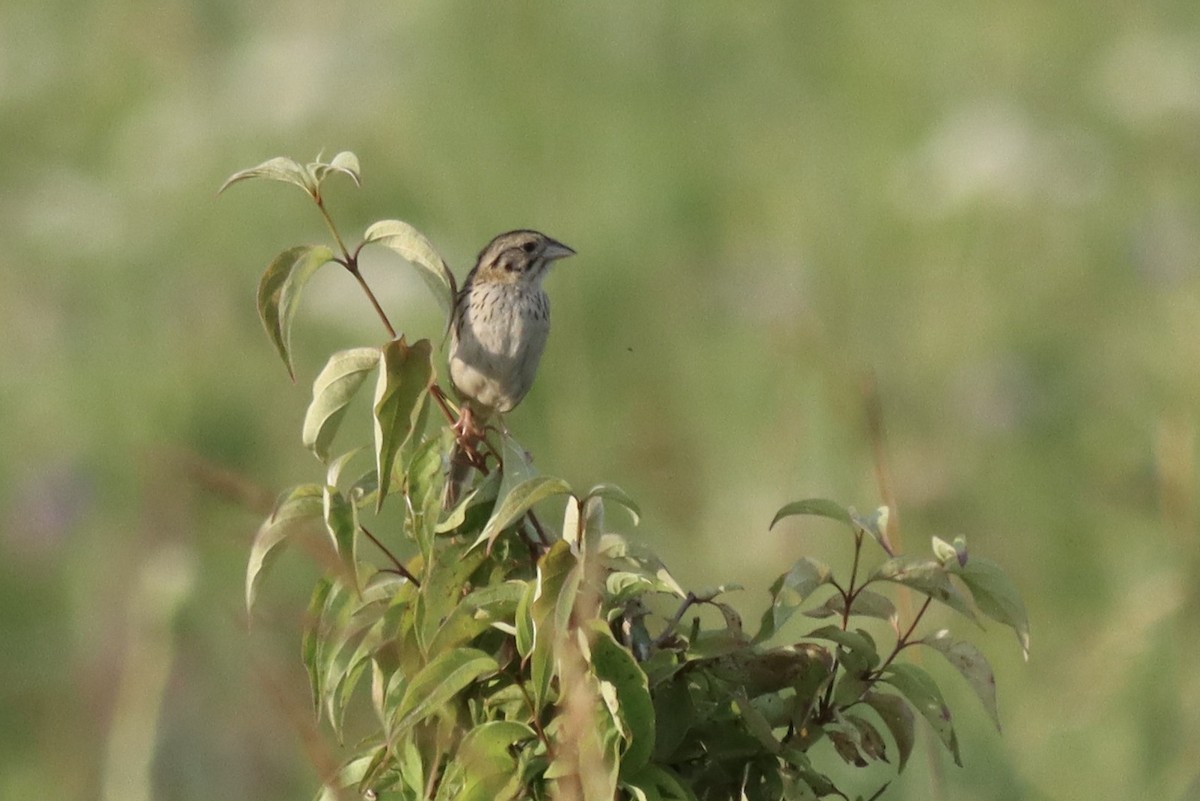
{"x": 503, "y": 657}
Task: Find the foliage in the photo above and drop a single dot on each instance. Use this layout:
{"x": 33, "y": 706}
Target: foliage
{"x": 506, "y": 659}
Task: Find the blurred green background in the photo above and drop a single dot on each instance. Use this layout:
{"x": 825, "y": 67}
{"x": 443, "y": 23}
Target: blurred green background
{"x": 990, "y": 211}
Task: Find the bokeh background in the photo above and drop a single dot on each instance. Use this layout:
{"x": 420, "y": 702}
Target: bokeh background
{"x": 988, "y": 212}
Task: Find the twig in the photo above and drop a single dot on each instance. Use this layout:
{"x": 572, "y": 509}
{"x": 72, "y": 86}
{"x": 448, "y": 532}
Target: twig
{"x": 400, "y": 568}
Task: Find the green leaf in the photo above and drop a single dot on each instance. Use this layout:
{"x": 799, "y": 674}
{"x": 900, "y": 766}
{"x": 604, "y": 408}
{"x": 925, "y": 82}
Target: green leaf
{"x": 344, "y": 162}
{"x": 412, "y": 245}
{"x": 875, "y": 525}
{"x": 482, "y": 609}
{"x": 401, "y": 391}
{"x": 341, "y": 520}
{"x": 675, "y": 715}
{"x": 299, "y": 507}
{"x": 922, "y": 692}
{"x": 554, "y": 592}
{"x": 789, "y": 591}
{"x": 870, "y": 741}
{"x": 437, "y": 683}
{"x": 897, "y": 715}
{"x": 819, "y": 507}
{"x": 279, "y": 293}
{"x": 333, "y": 389}
{"x": 756, "y": 723}
{"x": 441, "y": 591}
{"x": 943, "y": 551}
{"x": 347, "y": 777}
{"x": 514, "y": 505}
{"x": 311, "y": 640}
{"x": 657, "y": 783}
{"x": 611, "y": 492}
{"x": 865, "y": 603}
{"x": 280, "y": 168}
{"x": 996, "y": 597}
{"x": 485, "y": 757}
{"x": 926, "y": 576}
{"x": 846, "y": 740}
{"x": 971, "y": 663}
{"x": 355, "y": 644}
{"x": 771, "y": 670}
{"x": 615, "y": 665}
{"x": 858, "y": 642}
{"x": 618, "y": 554}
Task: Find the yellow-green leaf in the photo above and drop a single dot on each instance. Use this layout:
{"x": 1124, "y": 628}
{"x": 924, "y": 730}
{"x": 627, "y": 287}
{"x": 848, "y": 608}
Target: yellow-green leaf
{"x": 438, "y": 682}
{"x": 280, "y": 168}
{"x": 299, "y": 507}
{"x": 279, "y": 293}
{"x": 413, "y": 246}
{"x": 333, "y": 390}
{"x": 522, "y": 498}
{"x": 402, "y": 389}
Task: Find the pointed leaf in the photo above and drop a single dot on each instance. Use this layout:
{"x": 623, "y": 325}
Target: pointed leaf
{"x": 943, "y": 551}
{"x": 996, "y": 597}
{"x": 279, "y": 293}
{"x": 341, "y": 520}
{"x": 657, "y": 782}
{"x": 613, "y": 664}
{"x": 333, "y": 390}
{"x": 311, "y": 639}
{"x": 353, "y": 772}
{"x": 926, "y": 576}
{"x": 344, "y": 162}
{"x": 280, "y": 168}
{"x": 820, "y": 507}
{"x": 412, "y": 245}
{"x": 922, "y": 692}
{"x": 486, "y": 768}
{"x": 897, "y": 715}
{"x": 514, "y": 506}
{"x": 300, "y": 506}
{"x": 870, "y": 741}
{"x": 611, "y": 492}
{"x": 402, "y": 389}
{"x": 789, "y": 591}
{"x": 875, "y": 525}
{"x": 557, "y": 584}
{"x": 857, "y": 642}
{"x": 441, "y": 591}
{"x": 438, "y": 682}
{"x": 971, "y": 663}
{"x": 866, "y": 603}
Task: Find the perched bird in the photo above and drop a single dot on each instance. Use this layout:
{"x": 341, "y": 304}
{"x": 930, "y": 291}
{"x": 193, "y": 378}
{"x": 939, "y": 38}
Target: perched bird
{"x": 497, "y": 334}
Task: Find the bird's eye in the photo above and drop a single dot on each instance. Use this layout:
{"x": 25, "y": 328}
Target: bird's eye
{"x": 528, "y": 247}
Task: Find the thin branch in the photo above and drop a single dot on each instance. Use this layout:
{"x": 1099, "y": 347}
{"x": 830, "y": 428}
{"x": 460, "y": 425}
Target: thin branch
{"x": 400, "y": 568}
{"x": 332, "y": 228}
{"x": 903, "y": 642}
{"x": 533, "y": 714}
{"x": 352, "y": 265}
{"x": 443, "y": 402}
{"x": 688, "y": 600}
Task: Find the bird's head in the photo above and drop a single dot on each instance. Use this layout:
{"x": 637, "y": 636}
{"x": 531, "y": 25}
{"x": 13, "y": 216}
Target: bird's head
{"x": 519, "y": 257}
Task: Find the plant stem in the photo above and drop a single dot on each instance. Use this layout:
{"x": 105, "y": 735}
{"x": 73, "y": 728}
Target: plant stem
{"x": 688, "y": 600}
{"x": 903, "y": 642}
{"x": 848, "y": 596}
{"x": 533, "y": 714}
{"x": 351, "y": 264}
{"x": 400, "y": 568}
{"x": 332, "y": 228}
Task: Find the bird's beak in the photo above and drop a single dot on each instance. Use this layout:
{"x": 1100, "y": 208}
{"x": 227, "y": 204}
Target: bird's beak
{"x": 556, "y": 250}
